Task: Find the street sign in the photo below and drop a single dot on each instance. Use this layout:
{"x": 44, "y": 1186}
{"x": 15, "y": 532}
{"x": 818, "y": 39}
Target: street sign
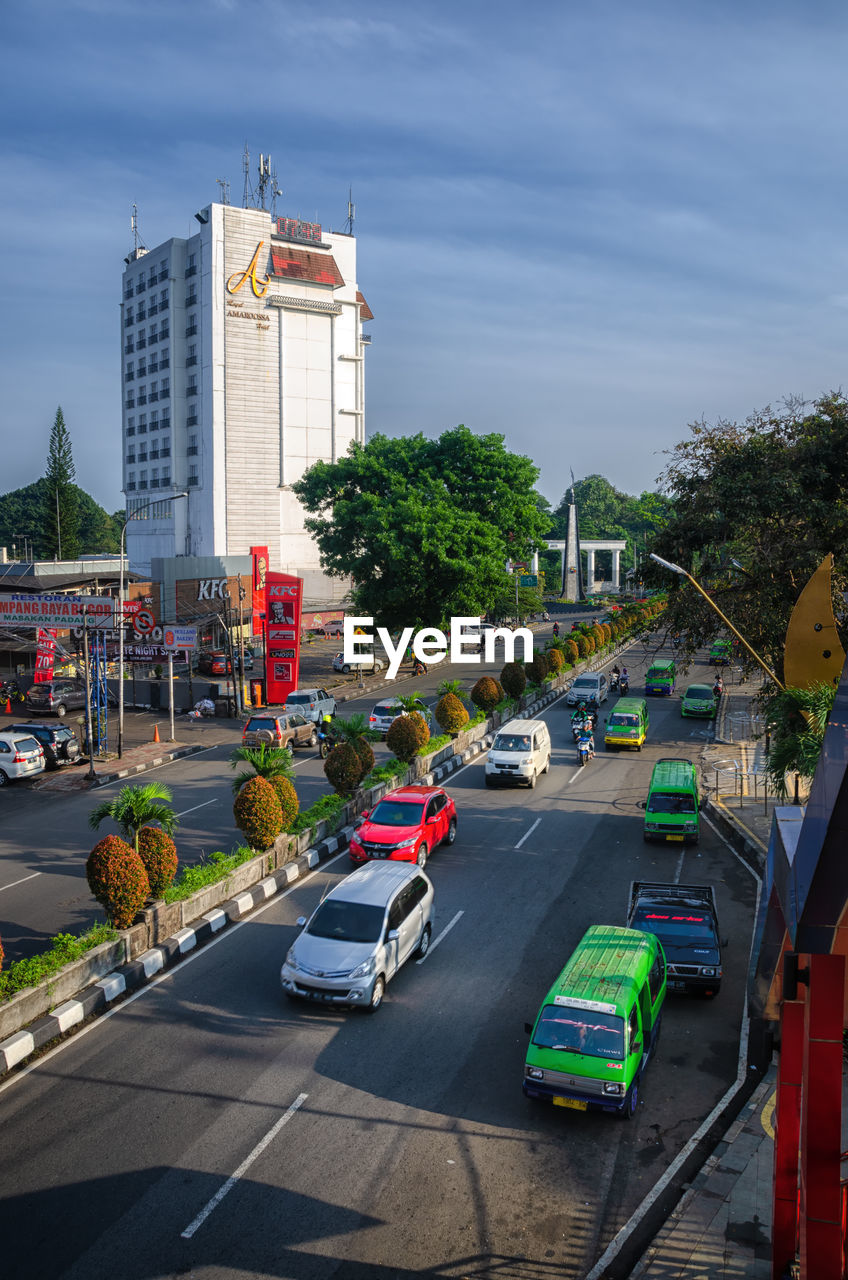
{"x": 144, "y": 622}
{"x": 50, "y": 611}
{"x": 529, "y": 580}
{"x": 179, "y": 637}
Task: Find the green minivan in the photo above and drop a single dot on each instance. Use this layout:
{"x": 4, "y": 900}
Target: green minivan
{"x": 627, "y": 724}
{"x": 661, "y": 676}
{"x": 599, "y": 1023}
{"x": 671, "y": 810}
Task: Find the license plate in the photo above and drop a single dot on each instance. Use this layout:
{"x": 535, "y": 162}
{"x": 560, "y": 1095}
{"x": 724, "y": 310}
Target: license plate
{"x": 675, "y": 985}
{"x": 674, "y": 837}
{"x": 576, "y": 1104}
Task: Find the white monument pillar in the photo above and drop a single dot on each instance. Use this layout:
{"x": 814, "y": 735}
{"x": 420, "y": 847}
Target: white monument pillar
{"x": 590, "y": 573}
{"x": 534, "y": 563}
{"x": 616, "y": 570}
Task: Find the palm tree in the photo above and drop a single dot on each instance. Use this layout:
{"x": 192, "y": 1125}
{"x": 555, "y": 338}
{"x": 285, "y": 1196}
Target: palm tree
{"x": 796, "y": 720}
{"x": 265, "y": 761}
{"x": 451, "y": 686}
{"x": 411, "y": 701}
{"x": 135, "y": 807}
{"x": 355, "y": 726}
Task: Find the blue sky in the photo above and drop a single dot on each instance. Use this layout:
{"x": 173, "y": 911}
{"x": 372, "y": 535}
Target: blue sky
{"x": 579, "y": 225}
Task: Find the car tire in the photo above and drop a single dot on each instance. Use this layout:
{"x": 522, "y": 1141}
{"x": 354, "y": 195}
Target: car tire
{"x": 313, "y": 739}
{"x": 547, "y": 767}
{"x": 61, "y": 710}
{"x": 532, "y": 781}
{"x": 3, "y": 779}
{"x": 377, "y": 992}
{"x": 631, "y": 1102}
{"x": 421, "y": 857}
{"x": 488, "y": 780}
{"x": 346, "y": 669}
{"x": 451, "y": 834}
{"x": 424, "y": 945}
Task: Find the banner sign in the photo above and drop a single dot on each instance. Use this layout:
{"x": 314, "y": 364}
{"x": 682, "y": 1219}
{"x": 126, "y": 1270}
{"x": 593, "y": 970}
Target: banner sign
{"x": 259, "y": 555}
{"x": 55, "y": 611}
{"x": 45, "y": 657}
{"x": 326, "y": 620}
{"x": 144, "y": 653}
{"x": 179, "y": 637}
{"x": 283, "y": 603}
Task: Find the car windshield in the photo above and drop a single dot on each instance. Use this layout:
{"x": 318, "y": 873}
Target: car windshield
{"x": 347, "y": 921}
{"x": 619, "y": 718}
{"x": 671, "y": 926}
{"x": 671, "y": 802}
{"x": 584, "y": 682}
{"x": 298, "y": 699}
{"x": 659, "y": 673}
{"x": 386, "y": 709}
{"x": 511, "y": 742}
{"x": 256, "y": 723}
{"x": 26, "y": 744}
{"x": 600, "y": 1035}
{"x": 397, "y": 813}
{"x": 700, "y": 692}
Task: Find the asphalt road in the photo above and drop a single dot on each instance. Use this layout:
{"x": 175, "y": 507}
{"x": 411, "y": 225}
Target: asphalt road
{"x": 398, "y": 1145}
{"x": 45, "y": 836}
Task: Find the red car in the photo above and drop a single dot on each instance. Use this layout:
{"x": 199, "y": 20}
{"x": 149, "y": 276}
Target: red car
{"x": 405, "y": 826}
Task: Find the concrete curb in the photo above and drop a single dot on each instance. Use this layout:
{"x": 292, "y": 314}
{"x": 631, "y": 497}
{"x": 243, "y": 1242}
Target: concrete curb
{"x": 128, "y": 771}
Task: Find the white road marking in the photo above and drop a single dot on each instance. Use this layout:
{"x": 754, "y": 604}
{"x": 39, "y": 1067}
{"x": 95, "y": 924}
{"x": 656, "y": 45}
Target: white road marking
{"x": 442, "y": 936}
{"x": 679, "y": 868}
{"x": 243, "y": 1167}
{"x": 195, "y": 807}
{"x": 528, "y": 833}
{"x": 21, "y": 881}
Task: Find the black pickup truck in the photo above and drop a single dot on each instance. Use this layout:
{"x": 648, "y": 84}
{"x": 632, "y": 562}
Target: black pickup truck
{"x": 684, "y": 918}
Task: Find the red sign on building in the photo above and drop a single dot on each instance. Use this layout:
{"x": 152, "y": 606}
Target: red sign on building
{"x": 283, "y": 603}
{"x": 259, "y": 556}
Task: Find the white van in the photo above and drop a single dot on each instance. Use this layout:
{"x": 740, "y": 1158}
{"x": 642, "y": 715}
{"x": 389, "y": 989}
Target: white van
{"x": 520, "y": 752}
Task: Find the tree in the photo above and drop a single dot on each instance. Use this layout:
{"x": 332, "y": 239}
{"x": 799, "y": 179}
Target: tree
{"x": 797, "y": 719}
{"x": 423, "y": 527}
{"x": 263, "y": 761}
{"x": 135, "y": 807}
{"x": 61, "y": 509}
{"x": 757, "y": 506}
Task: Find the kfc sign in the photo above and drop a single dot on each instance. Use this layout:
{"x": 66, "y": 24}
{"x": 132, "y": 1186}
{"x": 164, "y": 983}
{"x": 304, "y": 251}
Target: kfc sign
{"x": 213, "y": 589}
{"x": 283, "y": 602}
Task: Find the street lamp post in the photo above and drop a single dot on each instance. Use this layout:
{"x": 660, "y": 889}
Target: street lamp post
{"x": 675, "y": 568}
{"x": 131, "y": 516}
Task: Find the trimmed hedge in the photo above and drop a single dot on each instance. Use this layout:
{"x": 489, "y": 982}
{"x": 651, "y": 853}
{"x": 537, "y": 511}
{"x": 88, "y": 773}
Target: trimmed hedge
{"x": 407, "y": 734}
{"x": 485, "y": 694}
{"x": 363, "y": 749}
{"x": 118, "y": 880}
{"x": 64, "y": 949}
{"x": 513, "y": 680}
{"x": 343, "y": 769}
{"x": 159, "y": 855}
{"x": 258, "y": 814}
{"x": 289, "y": 803}
{"x": 451, "y": 713}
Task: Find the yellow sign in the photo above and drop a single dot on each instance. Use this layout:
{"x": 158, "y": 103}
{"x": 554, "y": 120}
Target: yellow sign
{"x": 238, "y": 278}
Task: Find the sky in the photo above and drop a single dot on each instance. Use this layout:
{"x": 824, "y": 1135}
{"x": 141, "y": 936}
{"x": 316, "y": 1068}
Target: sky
{"x": 581, "y": 226}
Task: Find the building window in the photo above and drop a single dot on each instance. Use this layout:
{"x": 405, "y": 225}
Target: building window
{"x": 154, "y": 391}
{"x": 193, "y": 478}
{"x": 142, "y": 367}
{"x": 191, "y": 450}
{"x": 130, "y": 459}
{"x": 142, "y": 424}
{"x": 128, "y": 317}
{"x": 191, "y": 420}
{"x": 165, "y": 451}
{"x": 140, "y": 286}
{"x": 166, "y": 478}
{"x": 191, "y": 298}
{"x": 142, "y": 479}
{"x": 163, "y": 270}
{"x": 128, "y": 289}
{"x": 154, "y": 477}
{"x": 165, "y": 387}
{"x": 191, "y": 389}
{"x": 191, "y": 265}
{"x": 154, "y": 364}
{"x": 163, "y": 299}
{"x": 129, "y": 403}
{"x": 129, "y": 348}
{"x": 130, "y": 373}
{"x": 140, "y": 342}
{"x": 154, "y": 420}
{"x": 164, "y": 359}
{"x": 142, "y": 312}
{"x": 164, "y": 332}
{"x": 153, "y": 335}
{"x": 191, "y": 326}
{"x": 142, "y": 397}
{"x": 142, "y": 453}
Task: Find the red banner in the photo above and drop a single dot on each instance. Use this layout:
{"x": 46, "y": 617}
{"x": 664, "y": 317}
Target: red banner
{"x": 45, "y": 656}
{"x": 283, "y": 602}
{"x": 260, "y": 569}
{"x": 328, "y": 620}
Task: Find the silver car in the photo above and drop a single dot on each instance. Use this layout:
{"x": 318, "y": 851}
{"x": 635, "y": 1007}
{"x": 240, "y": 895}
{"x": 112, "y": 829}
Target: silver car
{"x": 360, "y": 935}
{"x": 21, "y": 756}
{"x": 591, "y": 688}
{"x": 385, "y": 713}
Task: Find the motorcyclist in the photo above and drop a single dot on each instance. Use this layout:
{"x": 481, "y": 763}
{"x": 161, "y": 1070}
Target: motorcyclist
{"x": 586, "y": 742}
{"x": 419, "y": 668}
{"x": 556, "y": 630}
{"x": 624, "y": 681}
{"x": 718, "y": 687}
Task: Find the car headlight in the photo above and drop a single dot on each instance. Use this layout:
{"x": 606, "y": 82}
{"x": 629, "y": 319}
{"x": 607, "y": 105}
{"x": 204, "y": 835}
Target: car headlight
{"x": 291, "y": 958}
{"x": 527, "y": 760}
{"x": 535, "y": 1073}
{"x": 612, "y": 1086}
{"x": 707, "y": 972}
{"x": 362, "y": 970}
{"x": 406, "y": 844}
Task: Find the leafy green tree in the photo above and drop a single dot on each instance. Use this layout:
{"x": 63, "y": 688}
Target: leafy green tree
{"x": 605, "y": 512}
{"x": 22, "y": 515}
{"x": 135, "y": 807}
{"x": 423, "y": 527}
{"x": 797, "y": 719}
{"x": 757, "y": 506}
{"x": 349, "y": 728}
{"x": 264, "y": 761}
{"x": 61, "y": 509}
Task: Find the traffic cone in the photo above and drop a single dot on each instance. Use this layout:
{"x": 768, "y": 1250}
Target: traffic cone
{"x": 8, "y": 706}
{"x": 156, "y": 733}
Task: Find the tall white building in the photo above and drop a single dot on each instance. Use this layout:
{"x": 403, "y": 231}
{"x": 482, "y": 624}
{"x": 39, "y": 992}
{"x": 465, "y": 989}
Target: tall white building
{"x": 242, "y": 364}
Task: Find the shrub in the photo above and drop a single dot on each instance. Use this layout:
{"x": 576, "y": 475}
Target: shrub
{"x": 159, "y": 855}
{"x": 362, "y": 747}
{"x": 289, "y": 803}
{"x": 582, "y": 643}
{"x": 538, "y": 668}
{"x": 343, "y": 769}
{"x": 485, "y": 694}
{"x": 64, "y": 949}
{"x": 556, "y": 661}
{"x": 257, "y": 813}
{"x": 451, "y": 713}
{"x": 598, "y": 635}
{"x": 513, "y": 680}
{"x": 500, "y": 689}
{"x": 607, "y": 630}
{"x": 572, "y": 653}
{"x": 2, "y": 953}
{"x": 118, "y": 880}
{"x": 219, "y": 866}
{"x": 407, "y": 734}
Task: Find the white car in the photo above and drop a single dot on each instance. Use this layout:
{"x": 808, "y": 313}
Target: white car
{"x": 21, "y": 756}
{"x": 366, "y": 664}
{"x": 591, "y": 688}
{"x": 357, "y": 939}
{"x": 313, "y": 704}
{"x": 385, "y": 713}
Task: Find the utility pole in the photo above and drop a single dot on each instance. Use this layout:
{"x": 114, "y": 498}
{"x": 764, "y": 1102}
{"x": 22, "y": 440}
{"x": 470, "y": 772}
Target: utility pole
{"x": 241, "y": 594}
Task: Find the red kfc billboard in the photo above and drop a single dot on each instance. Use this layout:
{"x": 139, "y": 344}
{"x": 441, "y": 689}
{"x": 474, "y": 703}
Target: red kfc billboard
{"x": 259, "y": 556}
{"x": 283, "y": 603}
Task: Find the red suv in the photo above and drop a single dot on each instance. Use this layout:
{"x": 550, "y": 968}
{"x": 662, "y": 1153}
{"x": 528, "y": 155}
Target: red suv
{"x": 406, "y": 826}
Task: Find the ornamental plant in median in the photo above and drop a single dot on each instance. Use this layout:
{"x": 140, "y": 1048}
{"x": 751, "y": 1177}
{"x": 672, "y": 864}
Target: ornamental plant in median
{"x": 513, "y": 680}
{"x": 343, "y": 769}
{"x": 287, "y": 796}
{"x": 263, "y": 761}
{"x": 556, "y": 661}
{"x": 407, "y": 734}
{"x": 135, "y": 807}
{"x": 451, "y": 713}
{"x": 159, "y": 855}
{"x": 257, "y": 813}
{"x": 118, "y": 880}
{"x": 362, "y": 747}
{"x": 484, "y": 695}
{"x": 538, "y": 668}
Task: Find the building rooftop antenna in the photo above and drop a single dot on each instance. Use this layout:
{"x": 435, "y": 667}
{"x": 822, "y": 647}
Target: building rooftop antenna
{"x": 223, "y": 183}
{"x": 245, "y": 164}
{"x": 139, "y": 248}
{"x": 351, "y": 212}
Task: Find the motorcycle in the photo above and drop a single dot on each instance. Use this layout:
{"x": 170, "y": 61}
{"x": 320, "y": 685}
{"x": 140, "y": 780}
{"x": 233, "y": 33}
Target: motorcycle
{"x": 613, "y": 682}
{"x": 418, "y": 668}
{"x": 624, "y": 686}
{"x": 583, "y": 723}
{"x": 326, "y": 741}
{"x": 718, "y": 687}
{"x": 9, "y": 692}
{"x": 585, "y": 748}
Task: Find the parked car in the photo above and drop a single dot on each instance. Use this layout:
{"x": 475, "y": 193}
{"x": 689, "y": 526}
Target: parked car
{"x": 591, "y": 687}
{"x": 58, "y": 742}
{"x": 314, "y": 704}
{"x": 57, "y": 696}
{"x": 217, "y": 663}
{"x": 369, "y": 664}
{"x": 286, "y": 730}
{"x": 360, "y": 935}
{"x": 21, "y": 756}
{"x": 385, "y": 713}
{"x": 406, "y": 826}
